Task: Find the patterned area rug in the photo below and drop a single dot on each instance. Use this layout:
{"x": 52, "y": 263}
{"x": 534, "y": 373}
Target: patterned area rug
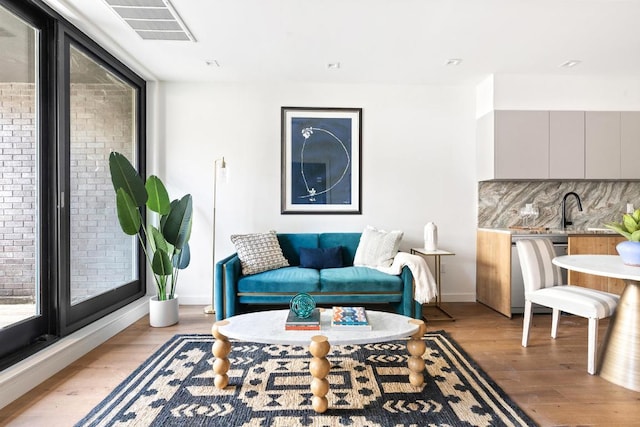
{"x": 269, "y": 386}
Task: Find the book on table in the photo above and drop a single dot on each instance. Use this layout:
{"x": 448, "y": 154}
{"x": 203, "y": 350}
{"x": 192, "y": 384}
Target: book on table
{"x": 295, "y": 323}
{"x": 350, "y": 318}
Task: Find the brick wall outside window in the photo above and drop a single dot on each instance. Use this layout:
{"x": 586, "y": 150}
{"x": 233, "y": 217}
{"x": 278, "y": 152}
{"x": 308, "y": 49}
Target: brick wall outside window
{"x": 17, "y": 192}
{"x": 101, "y": 254}
{"x": 101, "y": 122}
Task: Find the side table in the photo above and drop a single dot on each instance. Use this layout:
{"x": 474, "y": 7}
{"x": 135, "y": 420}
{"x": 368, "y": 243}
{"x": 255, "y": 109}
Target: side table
{"x": 436, "y": 254}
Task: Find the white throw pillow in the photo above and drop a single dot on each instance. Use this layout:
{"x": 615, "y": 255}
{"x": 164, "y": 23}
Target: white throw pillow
{"x": 377, "y": 248}
{"x": 259, "y": 252}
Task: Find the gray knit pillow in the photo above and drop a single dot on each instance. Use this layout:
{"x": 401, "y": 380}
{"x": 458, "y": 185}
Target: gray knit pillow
{"x": 259, "y": 252}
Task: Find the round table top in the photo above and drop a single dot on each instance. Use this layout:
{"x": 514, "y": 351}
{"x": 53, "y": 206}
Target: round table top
{"x": 267, "y": 327}
{"x": 600, "y": 265}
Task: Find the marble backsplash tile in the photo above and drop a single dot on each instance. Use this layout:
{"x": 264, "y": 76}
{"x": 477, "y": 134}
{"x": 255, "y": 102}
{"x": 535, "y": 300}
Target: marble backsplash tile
{"x": 499, "y": 202}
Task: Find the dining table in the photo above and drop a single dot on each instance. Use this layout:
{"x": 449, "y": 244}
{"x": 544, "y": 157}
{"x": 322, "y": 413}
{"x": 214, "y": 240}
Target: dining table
{"x": 619, "y": 360}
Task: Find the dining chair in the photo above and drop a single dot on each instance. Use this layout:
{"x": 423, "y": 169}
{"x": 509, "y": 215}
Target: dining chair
{"x": 543, "y": 285}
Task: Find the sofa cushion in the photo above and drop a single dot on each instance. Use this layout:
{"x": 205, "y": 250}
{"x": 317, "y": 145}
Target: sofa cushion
{"x": 287, "y": 279}
{"x": 377, "y": 248}
{"x": 292, "y": 242}
{"x": 259, "y": 252}
{"x": 358, "y": 279}
{"x": 348, "y": 241}
{"x": 320, "y": 258}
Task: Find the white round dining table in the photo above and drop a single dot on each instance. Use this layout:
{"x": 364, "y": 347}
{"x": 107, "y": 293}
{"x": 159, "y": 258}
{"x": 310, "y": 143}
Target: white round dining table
{"x": 619, "y": 360}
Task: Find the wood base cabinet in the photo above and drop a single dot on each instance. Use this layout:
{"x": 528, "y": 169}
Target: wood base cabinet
{"x": 600, "y": 244}
{"x": 493, "y": 270}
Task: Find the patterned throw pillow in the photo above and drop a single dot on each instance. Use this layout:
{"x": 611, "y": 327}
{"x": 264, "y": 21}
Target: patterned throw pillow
{"x": 259, "y": 252}
{"x": 377, "y": 248}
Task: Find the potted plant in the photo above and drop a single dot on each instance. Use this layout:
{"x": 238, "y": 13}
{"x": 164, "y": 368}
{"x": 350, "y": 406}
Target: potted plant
{"x": 630, "y": 228}
{"x": 165, "y": 238}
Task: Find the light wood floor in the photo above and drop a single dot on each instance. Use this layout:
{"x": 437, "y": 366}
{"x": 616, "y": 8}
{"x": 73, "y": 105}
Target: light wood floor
{"x": 548, "y": 379}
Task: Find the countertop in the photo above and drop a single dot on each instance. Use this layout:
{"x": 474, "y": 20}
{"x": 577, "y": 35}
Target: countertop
{"x": 541, "y": 231}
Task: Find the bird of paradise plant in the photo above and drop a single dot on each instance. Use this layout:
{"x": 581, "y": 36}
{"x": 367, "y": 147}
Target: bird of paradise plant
{"x": 166, "y": 244}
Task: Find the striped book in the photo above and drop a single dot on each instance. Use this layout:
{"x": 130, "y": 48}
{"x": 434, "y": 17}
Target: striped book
{"x": 349, "y": 318}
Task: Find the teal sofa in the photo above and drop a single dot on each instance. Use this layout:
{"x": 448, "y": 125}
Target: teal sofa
{"x": 347, "y": 285}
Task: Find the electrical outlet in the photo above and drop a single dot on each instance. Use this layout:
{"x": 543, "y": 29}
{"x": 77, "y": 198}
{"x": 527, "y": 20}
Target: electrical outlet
{"x": 443, "y": 269}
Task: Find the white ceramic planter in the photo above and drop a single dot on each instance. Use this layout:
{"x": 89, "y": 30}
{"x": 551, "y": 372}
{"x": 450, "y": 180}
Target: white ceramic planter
{"x": 629, "y": 252}
{"x": 163, "y": 313}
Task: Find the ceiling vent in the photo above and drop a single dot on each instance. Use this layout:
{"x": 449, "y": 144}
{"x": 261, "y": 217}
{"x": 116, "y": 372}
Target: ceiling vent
{"x": 152, "y": 19}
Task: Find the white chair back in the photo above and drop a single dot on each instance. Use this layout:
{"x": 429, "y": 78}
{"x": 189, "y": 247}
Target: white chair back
{"x": 535, "y": 260}
{"x": 542, "y": 286}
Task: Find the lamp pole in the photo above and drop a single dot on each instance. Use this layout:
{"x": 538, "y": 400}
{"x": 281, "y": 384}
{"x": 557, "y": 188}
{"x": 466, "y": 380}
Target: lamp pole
{"x": 223, "y": 169}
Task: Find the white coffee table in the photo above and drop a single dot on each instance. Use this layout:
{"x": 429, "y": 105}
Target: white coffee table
{"x": 267, "y": 327}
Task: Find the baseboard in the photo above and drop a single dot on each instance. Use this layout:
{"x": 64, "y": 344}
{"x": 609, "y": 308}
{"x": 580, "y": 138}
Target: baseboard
{"x": 194, "y": 300}
{"x": 459, "y": 297}
{"x": 28, "y": 373}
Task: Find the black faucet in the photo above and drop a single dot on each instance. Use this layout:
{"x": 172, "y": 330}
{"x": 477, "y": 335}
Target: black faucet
{"x": 566, "y": 222}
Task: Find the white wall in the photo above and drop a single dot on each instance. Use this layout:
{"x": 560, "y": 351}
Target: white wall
{"x": 590, "y": 93}
{"x": 418, "y": 165}
{"x": 484, "y": 96}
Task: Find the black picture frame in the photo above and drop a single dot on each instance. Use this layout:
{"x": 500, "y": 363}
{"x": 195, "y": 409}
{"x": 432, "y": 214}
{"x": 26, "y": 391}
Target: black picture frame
{"x": 321, "y": 160}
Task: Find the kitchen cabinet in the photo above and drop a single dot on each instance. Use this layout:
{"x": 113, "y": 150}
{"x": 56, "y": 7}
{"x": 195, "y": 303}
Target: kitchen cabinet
{"x": 602, "y": 145}
{"x": 595, "y": 244}
{"x": 505, "y": 138}
{"x": 493, "y": 270}
{"x": 612, "y": 144}
{"x": 630, "y": 144}
{"x": 566, "y": 144}
{"x": 558, "y": 145}
{"x": 522, "y": 135}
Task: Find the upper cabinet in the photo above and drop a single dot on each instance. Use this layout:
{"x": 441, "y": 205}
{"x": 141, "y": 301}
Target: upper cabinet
{"x": 522, "y": 135}
{"x": 629, "y": 144}
{"x": 602, "y": 145}
{"x": 612, "y": 141}
{"x": 566, "y": 144}
{"x": 505, "y": 138}
{"x": 558, "y": 145}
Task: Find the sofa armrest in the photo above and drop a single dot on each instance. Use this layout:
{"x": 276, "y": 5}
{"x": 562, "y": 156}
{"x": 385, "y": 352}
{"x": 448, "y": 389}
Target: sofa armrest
{"x": 227, "y": 273}
{"x": 410, "y": 307}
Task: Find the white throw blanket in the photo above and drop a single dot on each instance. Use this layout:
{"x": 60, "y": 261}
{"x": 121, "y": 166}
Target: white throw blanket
{"x": 425, "y": 285}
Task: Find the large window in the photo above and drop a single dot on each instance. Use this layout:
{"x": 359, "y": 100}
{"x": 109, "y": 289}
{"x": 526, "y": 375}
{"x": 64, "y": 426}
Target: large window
{"x": 23, "y": 300}
{"x": 18, "y": 168}
{"x": 65, "y": 104}
{"x": 102, "y": 119}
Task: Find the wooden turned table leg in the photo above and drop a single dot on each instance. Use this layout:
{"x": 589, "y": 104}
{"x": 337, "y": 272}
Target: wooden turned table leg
{"x": 319, "y": 368}
{"x": 416, "y": 348}
{"x": 220, "y": 349}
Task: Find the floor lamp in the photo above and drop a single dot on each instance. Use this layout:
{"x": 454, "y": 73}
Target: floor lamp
{"x": 219, "y": 167}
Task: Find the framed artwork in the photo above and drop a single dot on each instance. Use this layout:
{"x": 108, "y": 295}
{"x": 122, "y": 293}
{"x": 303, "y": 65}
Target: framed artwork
{"x": 321, "y": 160}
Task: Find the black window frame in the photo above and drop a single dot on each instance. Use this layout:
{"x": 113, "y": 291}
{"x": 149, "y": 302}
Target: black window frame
{"x": 74, "y": 317}
{"x": 58, "y": 317}
{"x": 29, "y": 336}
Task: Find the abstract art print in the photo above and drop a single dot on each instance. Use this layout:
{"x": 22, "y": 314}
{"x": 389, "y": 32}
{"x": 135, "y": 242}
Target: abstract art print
{"x": 321, "y": 160}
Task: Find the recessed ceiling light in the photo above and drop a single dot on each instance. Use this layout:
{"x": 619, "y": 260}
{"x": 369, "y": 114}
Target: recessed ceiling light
{"x": 453, "y": 61}
{"x": 212, "y": 63}
{"x": 333, "y": 65}
{"x": 570, "y": 64}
